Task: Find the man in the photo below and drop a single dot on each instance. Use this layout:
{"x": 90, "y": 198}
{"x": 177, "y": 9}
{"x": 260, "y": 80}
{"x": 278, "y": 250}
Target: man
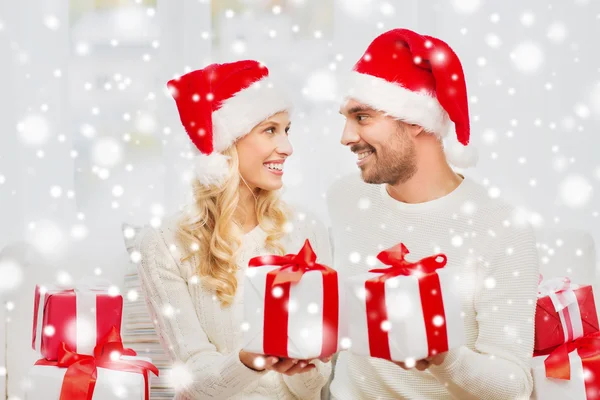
{"x": 403, "y": 93}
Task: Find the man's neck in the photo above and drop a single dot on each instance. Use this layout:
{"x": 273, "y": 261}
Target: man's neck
{"x": 427, "y": 184}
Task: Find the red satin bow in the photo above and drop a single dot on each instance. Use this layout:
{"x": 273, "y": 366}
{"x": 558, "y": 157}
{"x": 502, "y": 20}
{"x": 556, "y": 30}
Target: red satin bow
{"x": 557, "y": 363}
{"x": 293, "y": 266}
{"x": 395, "y": 258}
{"x": 80, "y": 379}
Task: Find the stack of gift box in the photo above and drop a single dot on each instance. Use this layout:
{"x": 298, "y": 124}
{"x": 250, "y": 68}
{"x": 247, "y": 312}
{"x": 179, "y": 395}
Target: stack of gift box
{"x": 77, "y": 332}
{"x": 566, "y": 362}
{"x": 295, "y": 307}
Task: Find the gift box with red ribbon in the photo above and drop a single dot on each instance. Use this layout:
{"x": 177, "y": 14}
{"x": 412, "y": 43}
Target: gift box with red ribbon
{"x": 410, "y": 310}
{"x": 571, "y": 371}
{"x": 78, "y": 316}
{"x": 112, "y": 372}
{"x": 564, "y": 312}
{"x": 292, "y": 306}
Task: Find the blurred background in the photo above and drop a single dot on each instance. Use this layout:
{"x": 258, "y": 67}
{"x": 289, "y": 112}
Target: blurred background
{"x": 91, "y": 140}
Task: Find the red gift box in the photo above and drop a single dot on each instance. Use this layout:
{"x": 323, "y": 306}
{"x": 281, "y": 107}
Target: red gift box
{"x": 79, "y": 317}
{"x": 283, "y": 287}
{"x": 565, "y": 312}
{"x": 81, "y": 375}
{"x": 572, "y": 369}
{"x": 408, "y": 310}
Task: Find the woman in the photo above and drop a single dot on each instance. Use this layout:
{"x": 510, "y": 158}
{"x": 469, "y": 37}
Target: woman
{"x": 192, "y": 268}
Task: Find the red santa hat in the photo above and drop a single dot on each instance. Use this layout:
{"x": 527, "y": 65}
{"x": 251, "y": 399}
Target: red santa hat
{"x": 220, "y": 104}
{"x": 417, "y": 79}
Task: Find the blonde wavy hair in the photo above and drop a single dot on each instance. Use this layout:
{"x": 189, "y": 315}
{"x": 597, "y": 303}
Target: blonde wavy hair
{"x": 211, "y": 237}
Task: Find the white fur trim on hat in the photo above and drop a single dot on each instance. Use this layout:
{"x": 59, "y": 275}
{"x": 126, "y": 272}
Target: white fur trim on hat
{"x": 246, "y": 109}
{"x": 411, "y": 107}
{"x": 211, "y": 169}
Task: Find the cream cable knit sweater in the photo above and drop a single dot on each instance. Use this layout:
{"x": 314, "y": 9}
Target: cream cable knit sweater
{"x": 495, "y": 260}
{"x": 206, "y": 338}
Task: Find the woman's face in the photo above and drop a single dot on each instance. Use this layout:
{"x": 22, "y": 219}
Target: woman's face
{"x": 263, "y": 151}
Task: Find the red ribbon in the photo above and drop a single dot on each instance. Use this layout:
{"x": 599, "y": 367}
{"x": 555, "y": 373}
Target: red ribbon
{"x": 292, "y": 267}
{"x": 429, "y": 288}
{"x": 588, "y": 347}
{"x": 80, "y": 379}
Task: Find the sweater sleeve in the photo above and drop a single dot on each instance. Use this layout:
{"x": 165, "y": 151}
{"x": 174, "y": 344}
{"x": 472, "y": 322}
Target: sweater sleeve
{"x": 308, "y": 385}
{"x": 499, "y": 368}
{"x": 205, "y": 373}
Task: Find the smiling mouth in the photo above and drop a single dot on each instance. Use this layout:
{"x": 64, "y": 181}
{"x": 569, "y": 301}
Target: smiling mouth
{"x": 275, "y": 168}
{"x": 363, "y": 156}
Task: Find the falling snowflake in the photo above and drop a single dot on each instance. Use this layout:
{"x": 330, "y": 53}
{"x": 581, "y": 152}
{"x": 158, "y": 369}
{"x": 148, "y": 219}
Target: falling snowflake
{"x": 493, "y": 40}
{"x": 527, "y": 57}
{"x": 490, "y": 283}
{"x": 557, "y": 32}
{"x": 277, "y": 292}
{"x": 386, "y": 326}
{"x": 47, "y": 237}
{"x": 361, "y": 293}
{"x": 354, "y": 257}
{"x": 168, "y": 311}
{"x": 527, "y": 18}
{"x": 345, "y": 343}
{"x": 88, "y": 131}
{"x": 12, "y": 275}
{"x": 494, "y": 192}
{"x": 575, "y": 191}
{"x": 387, "y": 9}
{"x": 34, "y": 130}
{"x": 410, "y": 362}
{"x": 466, "y": 6}
{"x": 135, "y": 256}
{"x": 457, "y": 241}
{"x": 511, "y": 331}
{"x": 238, "y": 47}
{"x": 181, "y": 377}
{"x": 51, "y": 22}
{"x": 364, "y": 203}
{"x": 145, "y": 123}
{"x": 357, "y": 8}
{"x": 321, "y": 86}
{"x": 489, "y": 136}
{"x": 118, "y": 191}
{"x": 132, "y": 295}
{"x": 49, "y": 330}
{"x": 79, "y": 231}
{"x": 582, "y": 110}
{"x": 107, "y": 152}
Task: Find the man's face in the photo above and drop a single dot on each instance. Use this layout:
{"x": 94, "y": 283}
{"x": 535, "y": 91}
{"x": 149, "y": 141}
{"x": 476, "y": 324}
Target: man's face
{"x": 384, "y": 147}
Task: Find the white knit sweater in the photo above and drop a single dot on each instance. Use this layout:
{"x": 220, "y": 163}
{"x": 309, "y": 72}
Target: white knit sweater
{"x": 496, "y": 266}
{"x": 206, "y": 338}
